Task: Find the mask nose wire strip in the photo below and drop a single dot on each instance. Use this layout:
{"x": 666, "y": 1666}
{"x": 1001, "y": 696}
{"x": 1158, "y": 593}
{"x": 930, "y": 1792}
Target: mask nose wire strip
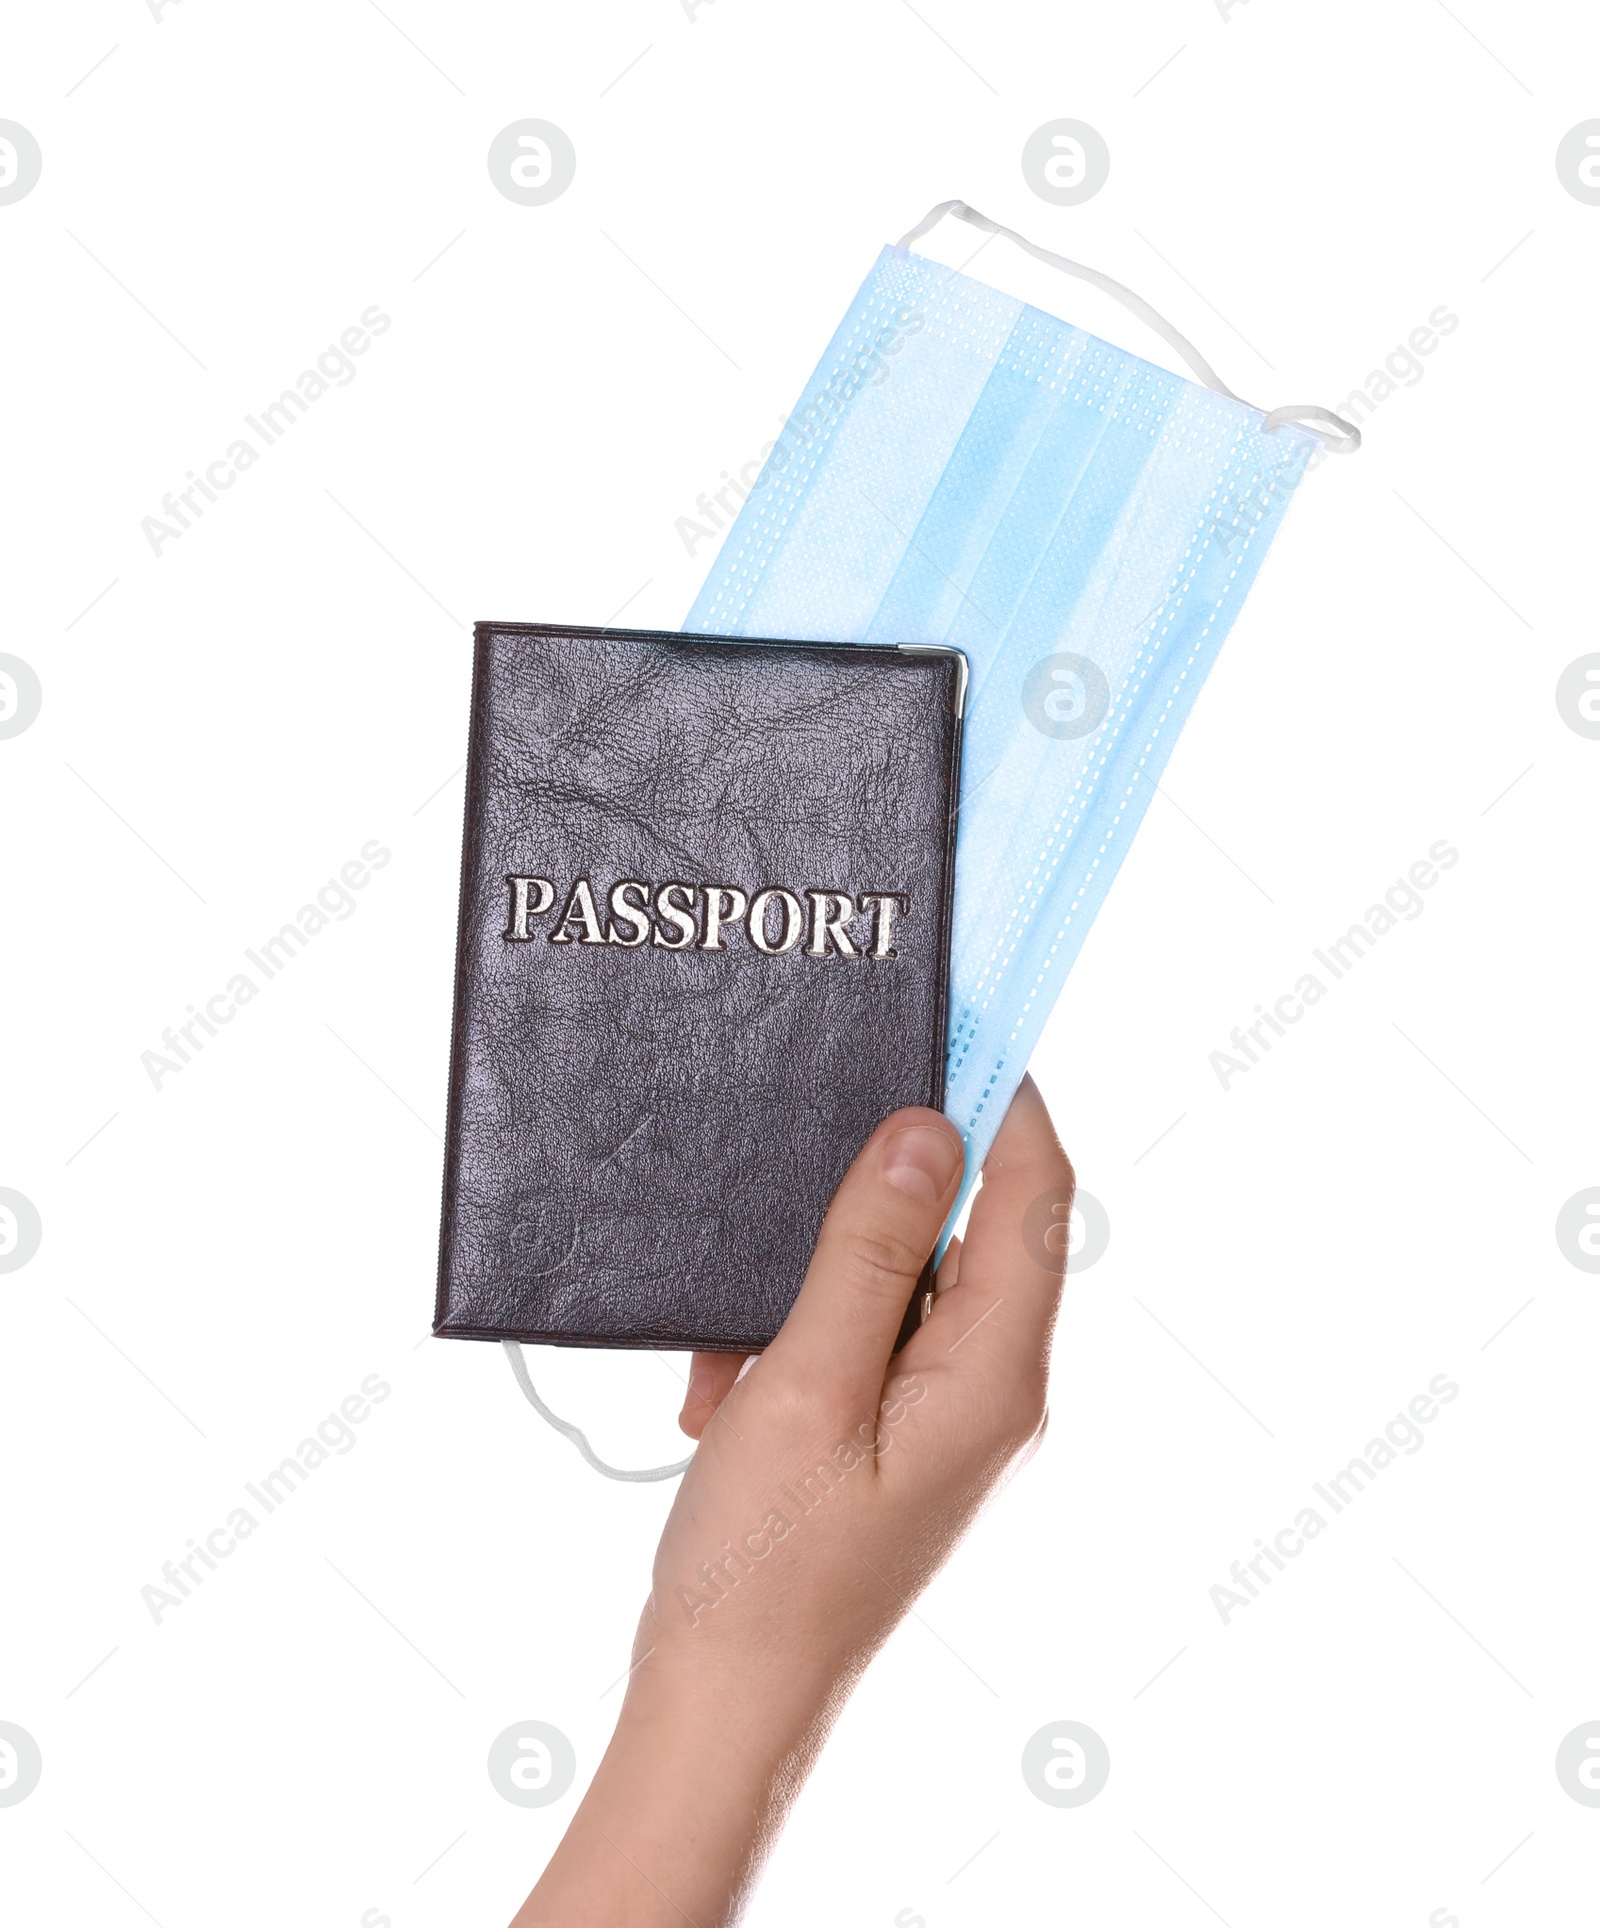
{"x": 519, "y": 1367}
{"x": 1345, "y": 444}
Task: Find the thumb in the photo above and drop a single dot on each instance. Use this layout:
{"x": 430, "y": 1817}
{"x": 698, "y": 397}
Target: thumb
{"x": 871, "y": 1251}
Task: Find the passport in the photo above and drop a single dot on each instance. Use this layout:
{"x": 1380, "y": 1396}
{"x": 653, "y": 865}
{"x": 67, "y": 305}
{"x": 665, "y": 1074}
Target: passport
{"x": 703, "y": 950}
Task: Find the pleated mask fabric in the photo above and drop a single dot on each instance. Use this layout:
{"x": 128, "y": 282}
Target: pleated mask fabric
{"x": 964, "y": 469}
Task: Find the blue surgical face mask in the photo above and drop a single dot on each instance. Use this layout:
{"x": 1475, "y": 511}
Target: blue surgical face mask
{"x": 963, "y": 469}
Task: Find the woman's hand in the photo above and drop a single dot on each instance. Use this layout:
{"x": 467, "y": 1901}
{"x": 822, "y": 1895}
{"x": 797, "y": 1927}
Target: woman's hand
{"x": 830, "y": 1483}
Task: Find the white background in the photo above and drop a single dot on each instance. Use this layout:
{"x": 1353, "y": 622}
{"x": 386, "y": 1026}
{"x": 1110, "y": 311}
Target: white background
{"x": 224, "y": 1259}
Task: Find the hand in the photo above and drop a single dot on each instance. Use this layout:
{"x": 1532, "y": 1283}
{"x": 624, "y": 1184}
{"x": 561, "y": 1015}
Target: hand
{"x": 830, "y": 1484}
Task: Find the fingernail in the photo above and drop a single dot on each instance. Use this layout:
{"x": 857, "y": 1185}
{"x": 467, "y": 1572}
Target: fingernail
{"x": 921, "y": 1161}
{"x": 700, "y": 1388}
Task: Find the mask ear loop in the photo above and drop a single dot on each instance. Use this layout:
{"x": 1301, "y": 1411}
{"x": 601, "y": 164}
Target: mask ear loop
{"x": 565, "y": 1427}
{"x": 1302, "y": 415}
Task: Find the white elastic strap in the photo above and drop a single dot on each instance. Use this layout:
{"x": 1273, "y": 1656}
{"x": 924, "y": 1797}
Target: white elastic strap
{"x": 1304, "y": 416}
{"x": 519, "y": 1366}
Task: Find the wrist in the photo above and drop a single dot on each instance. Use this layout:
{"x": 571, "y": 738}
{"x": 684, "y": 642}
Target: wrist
{"x": 688, "y": 1798}
{"x": 687, "y": 1742}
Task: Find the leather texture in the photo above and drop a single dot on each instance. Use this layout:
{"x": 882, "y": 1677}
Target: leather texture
{"x": 643, "y": 1138}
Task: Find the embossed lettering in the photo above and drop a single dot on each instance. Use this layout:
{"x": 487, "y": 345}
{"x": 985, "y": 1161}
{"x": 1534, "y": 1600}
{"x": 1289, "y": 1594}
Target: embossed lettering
{"x": 580, "y": 909}
{"x": 831, "y": 910}
{"x": 636, "y": 916}
{"x": 793, "y": 915}
{"x": 679, "y": 916}
{"x": 775, "y": 920}
{"x": 724, "y": 905}
{"x": 525, "y": 904}
{"x": 887, "y": 903}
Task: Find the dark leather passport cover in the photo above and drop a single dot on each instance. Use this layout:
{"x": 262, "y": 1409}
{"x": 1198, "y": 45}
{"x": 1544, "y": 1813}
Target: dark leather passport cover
{"x": 645, "y": 1129}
